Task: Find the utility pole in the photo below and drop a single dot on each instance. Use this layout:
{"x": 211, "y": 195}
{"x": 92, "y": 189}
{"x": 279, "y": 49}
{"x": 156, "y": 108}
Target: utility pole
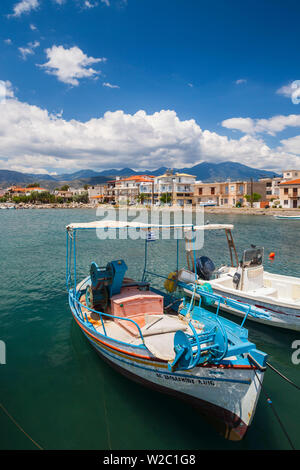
{"x": 152, "y": 184}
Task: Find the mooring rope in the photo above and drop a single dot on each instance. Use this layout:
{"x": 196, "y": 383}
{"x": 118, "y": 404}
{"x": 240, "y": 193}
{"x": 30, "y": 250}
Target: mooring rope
{"x": 20, "y": 427}
{"x": 269, "y": 401}
{"x": 283, "y": 376}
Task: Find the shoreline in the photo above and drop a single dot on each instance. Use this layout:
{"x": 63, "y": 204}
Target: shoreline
{"x": 207, "y": 209}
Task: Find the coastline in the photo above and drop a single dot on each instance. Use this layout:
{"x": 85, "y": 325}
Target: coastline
{"x": 207, "y": 209}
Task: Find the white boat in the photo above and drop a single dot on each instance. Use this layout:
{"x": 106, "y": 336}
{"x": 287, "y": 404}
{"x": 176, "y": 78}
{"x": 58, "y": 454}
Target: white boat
{"x": 175, "y": 347}
{"x": 289, "y": 217}
{"x": 208, "y": 203}
{"x": 247, "y": 281}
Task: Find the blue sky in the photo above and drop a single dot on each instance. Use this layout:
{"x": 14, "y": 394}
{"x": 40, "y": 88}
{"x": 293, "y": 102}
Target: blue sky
{"x": 144, "y": 83}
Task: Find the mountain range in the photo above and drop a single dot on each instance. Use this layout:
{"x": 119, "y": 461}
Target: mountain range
{"x": 205, "y": 172}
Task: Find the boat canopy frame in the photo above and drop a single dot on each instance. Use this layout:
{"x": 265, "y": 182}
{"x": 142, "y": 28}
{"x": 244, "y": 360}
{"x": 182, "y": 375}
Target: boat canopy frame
{"x": 74, "y": 290}
{"x": 120, "y": 225}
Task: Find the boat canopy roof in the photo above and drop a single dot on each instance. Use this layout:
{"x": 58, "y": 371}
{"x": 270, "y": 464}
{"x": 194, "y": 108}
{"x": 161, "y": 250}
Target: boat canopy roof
{"x": 107, "y": 224}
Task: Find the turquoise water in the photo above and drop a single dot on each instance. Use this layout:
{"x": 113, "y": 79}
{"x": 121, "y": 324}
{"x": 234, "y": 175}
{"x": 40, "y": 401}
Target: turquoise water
{"x": 62, "y": 394}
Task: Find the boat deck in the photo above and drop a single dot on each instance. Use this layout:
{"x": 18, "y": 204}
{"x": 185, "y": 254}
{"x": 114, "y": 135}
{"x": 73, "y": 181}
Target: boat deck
{"x": 158, "y": 330}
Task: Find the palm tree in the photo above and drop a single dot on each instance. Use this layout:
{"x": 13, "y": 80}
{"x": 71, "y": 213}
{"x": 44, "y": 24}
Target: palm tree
{"x": 165, "y": 198}
{"x": 141, "y": 198}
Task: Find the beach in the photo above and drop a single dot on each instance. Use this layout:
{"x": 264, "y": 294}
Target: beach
{"x": 174, "y": 208}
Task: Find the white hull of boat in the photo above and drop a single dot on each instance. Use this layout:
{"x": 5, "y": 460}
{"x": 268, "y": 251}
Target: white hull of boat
{"x": 225, "y": 395}
{"x": 290, "y": 217}
{"x": 283, "y": 307}
{"x": 281, "y": 317}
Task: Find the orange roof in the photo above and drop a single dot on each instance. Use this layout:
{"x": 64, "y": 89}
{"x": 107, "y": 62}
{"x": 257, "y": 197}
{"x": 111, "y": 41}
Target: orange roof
{"x": 98, "y": 196}
{"x": 292, "y": 182}
{"x": 33, "y": 188}
{"x": 139, "y": 178}
{"x": 17, "y": 189}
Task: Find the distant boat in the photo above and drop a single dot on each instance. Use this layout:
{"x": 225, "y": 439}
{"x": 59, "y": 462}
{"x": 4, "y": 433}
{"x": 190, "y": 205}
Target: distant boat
{"x": 7, "y": 206}
{"x": 208, "y": 203}
{"x": 295, "y": 217}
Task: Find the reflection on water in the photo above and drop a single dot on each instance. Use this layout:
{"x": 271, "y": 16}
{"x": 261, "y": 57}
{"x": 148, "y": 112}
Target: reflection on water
{"x": 58, "y": 388}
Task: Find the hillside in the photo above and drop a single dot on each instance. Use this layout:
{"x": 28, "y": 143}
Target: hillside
{"x": 203, "y": 171}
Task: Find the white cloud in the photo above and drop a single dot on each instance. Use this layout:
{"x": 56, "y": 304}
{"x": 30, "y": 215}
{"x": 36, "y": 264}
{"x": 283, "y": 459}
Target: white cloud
{"x": 240, "y": 81}
{"x": 291, "y": 145}
{"x": 270, "y": 126}
{"x": 109, "y": 85}
{"x": 8, "y": 41}
{"x": 24, "y": 6}
{"x": 245, "y": 125}
{"x": 6, "y": 91}
{"x": 285, "y": 90}
{"x": 34, "y": 138}
{"x": 69, "y": 65}
{"x": 29, "y": 50}
{"x": 32, "y": 27}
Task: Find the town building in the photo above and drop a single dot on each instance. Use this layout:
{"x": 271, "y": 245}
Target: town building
{"x": 97, "y": 193}
{"x": 67, "y": 195}
{"x": 172, "y": 188}
{"x": 229, "y": 193}
{"x": 291, "y": 174}
{"x": 19, "y": 191}
{"x": 128, "y": 190}
{"x": 290, "y": 194}
{"x": 272, "y": 187}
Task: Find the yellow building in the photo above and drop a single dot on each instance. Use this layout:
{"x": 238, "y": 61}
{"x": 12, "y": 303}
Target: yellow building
{"x": 290, "y": 194}
{"x": 227, "y": 193}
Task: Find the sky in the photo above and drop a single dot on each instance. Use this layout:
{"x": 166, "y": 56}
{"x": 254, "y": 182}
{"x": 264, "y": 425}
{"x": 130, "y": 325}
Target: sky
{"x": 105, "y": 84}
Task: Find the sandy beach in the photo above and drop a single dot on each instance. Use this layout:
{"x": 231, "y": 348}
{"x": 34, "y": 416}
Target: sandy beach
{"x": 207, "y": 210}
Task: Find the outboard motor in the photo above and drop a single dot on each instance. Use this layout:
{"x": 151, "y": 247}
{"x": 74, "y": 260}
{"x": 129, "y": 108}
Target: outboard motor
{"x": 204, "y": 267}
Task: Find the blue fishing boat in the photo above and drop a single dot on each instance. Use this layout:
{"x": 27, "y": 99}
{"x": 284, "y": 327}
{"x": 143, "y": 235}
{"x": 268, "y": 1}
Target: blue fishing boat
{"x": 164, "y": 338}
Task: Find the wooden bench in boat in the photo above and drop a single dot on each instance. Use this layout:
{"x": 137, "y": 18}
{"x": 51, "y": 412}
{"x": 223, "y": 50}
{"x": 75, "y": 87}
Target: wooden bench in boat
{"x": 135, "y": 304}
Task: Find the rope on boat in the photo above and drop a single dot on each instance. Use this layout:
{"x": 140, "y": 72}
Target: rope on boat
{"x": 20, "y": 427}
{"x": 283, "y": 376}
{"x": 269, "y": 401}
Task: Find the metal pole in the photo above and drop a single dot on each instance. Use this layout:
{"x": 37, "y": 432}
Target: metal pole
{"x": 152, "y": 184}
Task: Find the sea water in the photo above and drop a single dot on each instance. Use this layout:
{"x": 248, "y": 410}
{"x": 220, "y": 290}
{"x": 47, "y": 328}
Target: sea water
{"x": 64, "y": 396}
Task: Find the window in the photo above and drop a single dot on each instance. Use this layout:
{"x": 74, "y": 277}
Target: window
{"x": 285, "y": 202}
{"x": 295, "y": 190}
{"x": 286, "y": 190}
{"x": 200, "y": 191}
{"x": 212, "y": 190}
{"x": 269, "y": 184}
